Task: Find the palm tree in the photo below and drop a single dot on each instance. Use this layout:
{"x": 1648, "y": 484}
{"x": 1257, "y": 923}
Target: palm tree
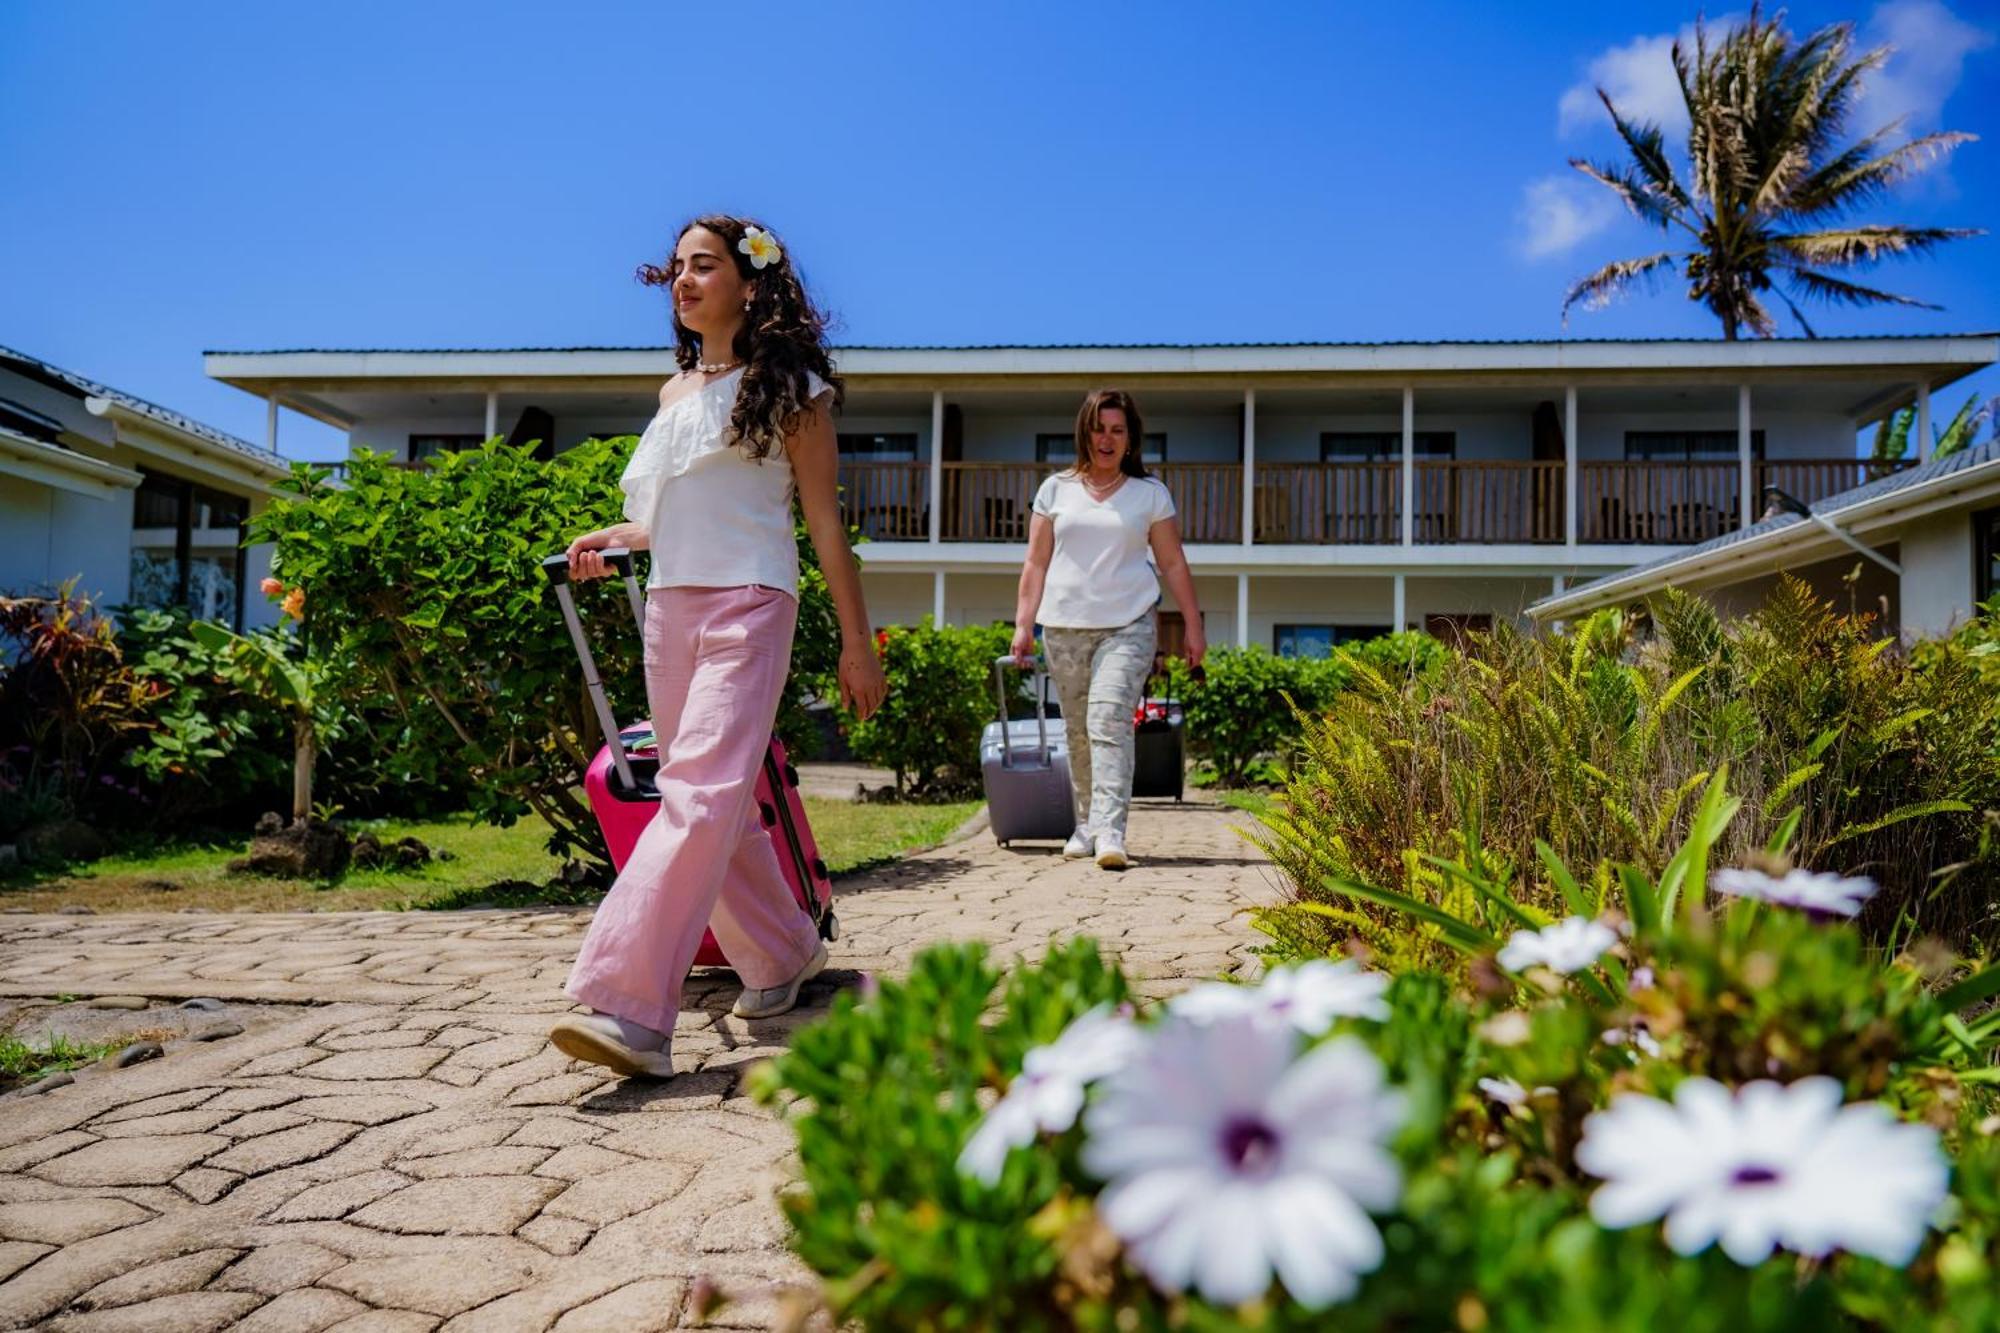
{"x": 1892, "y": 434}
{"x": 1768, "y": 182}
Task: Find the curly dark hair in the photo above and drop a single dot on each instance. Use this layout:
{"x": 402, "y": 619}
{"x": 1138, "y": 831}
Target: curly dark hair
{"x": 783, "y": 337}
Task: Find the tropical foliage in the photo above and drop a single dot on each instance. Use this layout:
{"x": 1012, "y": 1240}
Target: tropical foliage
{"x": 1771, "y": 179}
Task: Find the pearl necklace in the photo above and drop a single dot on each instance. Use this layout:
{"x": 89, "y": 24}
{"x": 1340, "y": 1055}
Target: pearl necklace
{"x": 1101, "y": 491}
{"x": 715, "y": 367}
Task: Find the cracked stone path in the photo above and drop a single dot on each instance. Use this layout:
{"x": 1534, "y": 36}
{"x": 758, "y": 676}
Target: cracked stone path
{"x": 406, "y": 1152}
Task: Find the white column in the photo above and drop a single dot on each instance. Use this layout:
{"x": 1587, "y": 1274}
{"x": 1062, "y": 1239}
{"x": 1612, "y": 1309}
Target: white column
{"x": 937, "y": 483}
{"x": 492, "y": 415}
{"x": 1399, "y": 606}
{"x": 1743, "y": 453}
{"x": 1569, "y": 466}
{"x": 271, "y": 423}
{"x": 1559, "y": 585}
{"x": 1242, "y": 610}
{"x": 1249, "y": 466}
{"x": 1924, "y": 441}
{"x": 1409, "y": 471}
{"x": 937, "y": 599}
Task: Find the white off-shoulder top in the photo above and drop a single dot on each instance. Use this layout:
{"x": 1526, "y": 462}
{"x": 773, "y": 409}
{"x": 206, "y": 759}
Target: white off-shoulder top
{"x": 716, "y": 517}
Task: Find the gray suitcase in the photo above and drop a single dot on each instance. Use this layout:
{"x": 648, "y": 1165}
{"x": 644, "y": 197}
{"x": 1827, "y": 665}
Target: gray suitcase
{"x": 1026, "y": 767}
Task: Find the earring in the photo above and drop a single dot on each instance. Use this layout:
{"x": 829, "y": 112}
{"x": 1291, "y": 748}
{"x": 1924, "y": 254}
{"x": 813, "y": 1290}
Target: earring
{"x": 746, "y": 303}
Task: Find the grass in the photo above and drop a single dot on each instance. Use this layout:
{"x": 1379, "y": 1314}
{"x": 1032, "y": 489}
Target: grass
{"x": 851, "y": 837}
{"x": 22, "y": 1063}
{"x": 1249, "y": 800}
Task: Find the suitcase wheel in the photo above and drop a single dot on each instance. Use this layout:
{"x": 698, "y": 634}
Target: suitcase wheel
{"x": 819, "y": 869}
{"x": 791, "y": 774}
{"x": 829, "y": 927}
{"x": 769, "y": 815}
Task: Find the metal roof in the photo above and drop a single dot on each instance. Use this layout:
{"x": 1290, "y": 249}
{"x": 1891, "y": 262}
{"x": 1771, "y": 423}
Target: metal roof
{"x": 57, "y": 377}
{"x": 1123, "y": 347}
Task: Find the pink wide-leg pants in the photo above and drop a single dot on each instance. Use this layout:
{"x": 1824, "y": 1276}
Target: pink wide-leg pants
{"x": 716, "y": 660}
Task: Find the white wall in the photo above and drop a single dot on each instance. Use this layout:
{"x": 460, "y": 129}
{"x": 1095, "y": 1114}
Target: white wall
{"x": 1294, "y": 437}
{"x": 1937, "y": 586}
{"x": 995, "y": 437}
{"x": 47, "y": 536}
{"x": 1601, "y": 434}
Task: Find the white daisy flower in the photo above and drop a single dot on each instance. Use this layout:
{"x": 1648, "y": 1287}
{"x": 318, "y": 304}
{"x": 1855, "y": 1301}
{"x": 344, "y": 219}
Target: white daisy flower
{"x": 1821, "y": 894}
{"x": 1308, "y": 997}
{"x": 1638, "y": 1036}
{"x": 1570, "y": 945}
{"x": 1227, "y": 1159}
{"x": 1509, "y": 1092}
{"x": 1049, "y": 1092}
{"x": 1767, "y": 1167}
{"x": 761, "y": 246}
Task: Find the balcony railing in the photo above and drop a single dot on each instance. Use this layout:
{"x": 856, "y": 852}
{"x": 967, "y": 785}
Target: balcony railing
{"x": 1454, "y": 502}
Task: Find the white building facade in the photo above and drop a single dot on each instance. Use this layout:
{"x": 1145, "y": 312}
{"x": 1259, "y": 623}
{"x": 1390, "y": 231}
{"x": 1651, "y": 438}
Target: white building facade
{"x": 134, "y": 503}
{"x": 1326, "y": 492}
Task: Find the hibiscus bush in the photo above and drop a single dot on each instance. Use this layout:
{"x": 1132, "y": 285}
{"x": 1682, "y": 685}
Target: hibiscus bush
{"x": 1665, "y": 1109}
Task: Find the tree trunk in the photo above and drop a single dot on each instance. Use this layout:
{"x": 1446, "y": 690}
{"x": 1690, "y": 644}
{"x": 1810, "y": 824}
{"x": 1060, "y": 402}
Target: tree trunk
{"x": 303, "y": 755}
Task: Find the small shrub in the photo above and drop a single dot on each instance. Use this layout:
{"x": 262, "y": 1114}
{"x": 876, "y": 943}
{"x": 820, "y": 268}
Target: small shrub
{"x": 941, "y": 697}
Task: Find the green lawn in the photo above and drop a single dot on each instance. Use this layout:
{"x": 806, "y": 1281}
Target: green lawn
{"x": 850, "y": 837}
{"x": 1252, "y": 801}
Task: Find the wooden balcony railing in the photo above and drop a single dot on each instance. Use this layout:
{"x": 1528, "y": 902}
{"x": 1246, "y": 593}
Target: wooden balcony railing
{"x": 1813, "y": 479}
{"x": 1208, "y": 497}
{"x": 1330, "y": 503}
{"x": 1656, "y": 503}
{"x": 1486, "y": 502}
{"x": 1456, "y": 502}
{"x": 889, "y": 502}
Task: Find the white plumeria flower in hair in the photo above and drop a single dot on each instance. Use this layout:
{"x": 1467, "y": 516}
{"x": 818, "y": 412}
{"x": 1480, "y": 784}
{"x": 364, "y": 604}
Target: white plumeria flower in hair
{"x": 1570, "y": 945}
{"x": 1308, "y": 997}
{"x": 1766, "y": 1167}
{"x": 1228, "y": 1159}
{"x": 761, "y": 246}
{"x": 1822, "y": 894}
{"x": 1049, "y": 1092}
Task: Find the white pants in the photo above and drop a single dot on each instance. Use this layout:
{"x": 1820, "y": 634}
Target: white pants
{"x": 1099, "y": 674}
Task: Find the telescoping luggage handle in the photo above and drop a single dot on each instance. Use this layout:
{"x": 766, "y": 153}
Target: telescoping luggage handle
{"x": 1000, "y": 665}
{"x": 556, "y": 567}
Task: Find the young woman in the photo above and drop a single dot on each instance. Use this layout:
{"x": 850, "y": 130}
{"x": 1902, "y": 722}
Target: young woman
{"x": 1089, "y": 582}
{"x": 709, "y": 491}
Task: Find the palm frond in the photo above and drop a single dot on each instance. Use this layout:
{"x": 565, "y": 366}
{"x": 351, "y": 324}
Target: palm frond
{"x": 1649, "y": 150}
{"x": 1860, "y": 245}
{"x": 1637, "y": 195}
{"x": 1601, "y": 288}
{"x": 1825, "y": 287}
{"x": 1856, "y": 177}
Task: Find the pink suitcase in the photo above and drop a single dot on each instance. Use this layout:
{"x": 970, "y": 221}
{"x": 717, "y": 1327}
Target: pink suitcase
{"x": 619, "y": 781}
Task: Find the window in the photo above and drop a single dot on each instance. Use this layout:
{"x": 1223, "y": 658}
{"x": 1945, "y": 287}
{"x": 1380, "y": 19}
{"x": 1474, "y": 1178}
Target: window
{"x": 1319, "y": 640}
{"x": 1050, "y": 448}
{"x": 1453, "y": 626}
{"x": 889, "y": 447}
{"x": 1986, "y": 533}
{"x": 1687, "y": 446}
{"x": 187, "y": 549}
{"x": 427, "y": 446}
{"x": 1383, "y": 446}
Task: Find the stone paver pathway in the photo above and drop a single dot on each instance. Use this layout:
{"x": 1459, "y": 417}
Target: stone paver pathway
{"x": 407, "y": 1153}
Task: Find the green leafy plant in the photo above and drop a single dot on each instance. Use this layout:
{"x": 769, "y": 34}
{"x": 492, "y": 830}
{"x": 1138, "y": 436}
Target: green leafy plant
{"x": 941, "y": 696}
{"x": 1599, "y": 742}
{"x": 426, "y": 586}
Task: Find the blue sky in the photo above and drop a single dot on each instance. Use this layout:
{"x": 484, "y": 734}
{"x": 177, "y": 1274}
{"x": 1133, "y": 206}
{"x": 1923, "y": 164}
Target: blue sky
{"x": 237, "y": 175}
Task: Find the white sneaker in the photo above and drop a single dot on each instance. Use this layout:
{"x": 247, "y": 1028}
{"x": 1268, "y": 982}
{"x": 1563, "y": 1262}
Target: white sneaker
{"x": 772, "y": 1000}
{"x": 1111, "y": 851}
{"x": 616, "y": 1043}
{"x": 1080, "y": 845}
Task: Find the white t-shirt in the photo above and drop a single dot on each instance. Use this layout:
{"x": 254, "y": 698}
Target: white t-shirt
{"x": 1102, "y": 574}
{"x": 716, "y": 517}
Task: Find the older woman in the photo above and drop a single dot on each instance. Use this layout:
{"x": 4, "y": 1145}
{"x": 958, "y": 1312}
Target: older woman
{"x": 1089, "y": 581}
